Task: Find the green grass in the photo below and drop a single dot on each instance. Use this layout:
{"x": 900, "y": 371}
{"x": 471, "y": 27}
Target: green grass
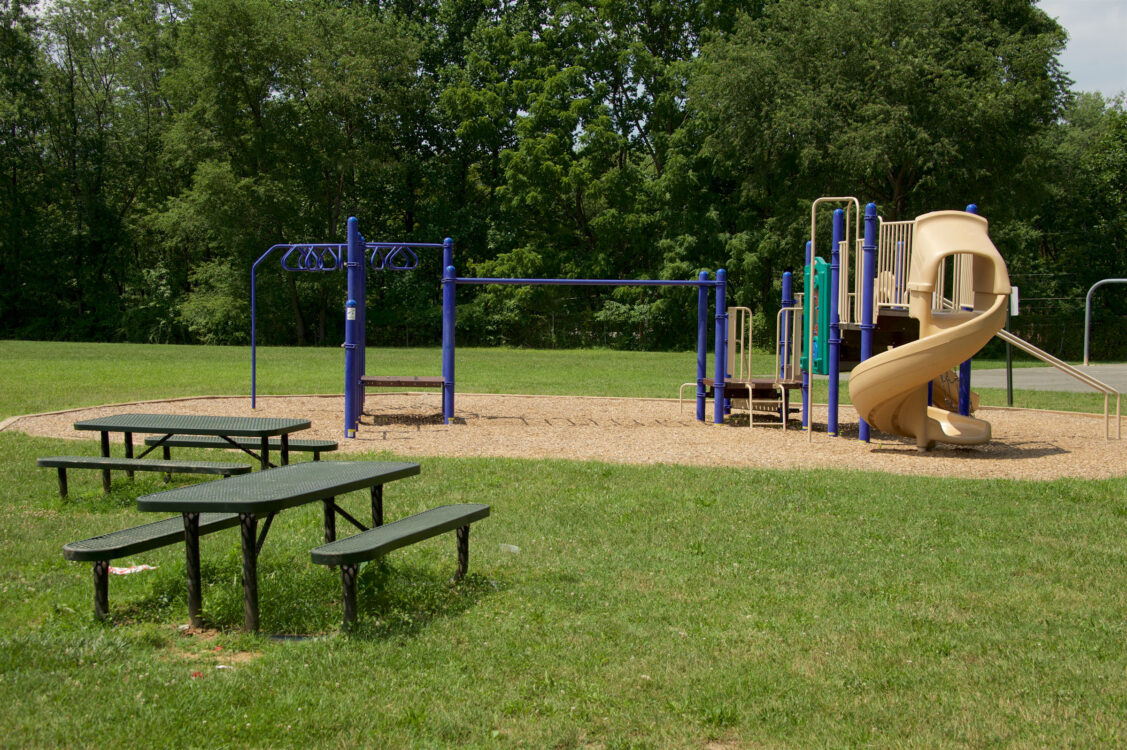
{"x": 647, "y": 606}
{"x": 75, "y": 375}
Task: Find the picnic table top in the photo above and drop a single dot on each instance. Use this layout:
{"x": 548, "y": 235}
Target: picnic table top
{"x": 188, "y": 424}
{"x": 276, "y": 489}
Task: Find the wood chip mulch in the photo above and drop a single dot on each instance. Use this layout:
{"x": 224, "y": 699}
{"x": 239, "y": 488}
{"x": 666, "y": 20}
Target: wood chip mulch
{"x": 1026, "y": 444}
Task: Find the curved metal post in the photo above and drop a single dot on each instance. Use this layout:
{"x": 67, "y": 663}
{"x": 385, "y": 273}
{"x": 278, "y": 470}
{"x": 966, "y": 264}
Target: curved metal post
{"x": 449, "y": 290}
{"x": 719, "y": 356}
{"x": 1088, "y": 311}
{"x": 702, "y": 342}
{"x": 254, "y": 324}
{"x": 868, "y": 270}
{"x": 835, "y": 329}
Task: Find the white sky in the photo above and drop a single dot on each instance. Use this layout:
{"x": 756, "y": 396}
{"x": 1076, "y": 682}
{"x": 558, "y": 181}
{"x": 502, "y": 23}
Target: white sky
{"x": 1096, "y": 56}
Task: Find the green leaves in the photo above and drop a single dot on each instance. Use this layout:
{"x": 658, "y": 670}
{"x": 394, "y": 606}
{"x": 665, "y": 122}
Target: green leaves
{"x": 608, "y": 139}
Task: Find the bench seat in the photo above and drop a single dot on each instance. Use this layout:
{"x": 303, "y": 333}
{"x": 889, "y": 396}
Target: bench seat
{"x": 117, "y": 544}
{"x": 348, "y": 553}
{"x": 401, "y": 381}
{"x": 316, "y": 447}
{"x": 106, "y": 463}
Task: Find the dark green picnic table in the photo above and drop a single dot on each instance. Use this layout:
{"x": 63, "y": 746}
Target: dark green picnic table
{"x": 266, "y": 493}
{"x": 168, "y": 425}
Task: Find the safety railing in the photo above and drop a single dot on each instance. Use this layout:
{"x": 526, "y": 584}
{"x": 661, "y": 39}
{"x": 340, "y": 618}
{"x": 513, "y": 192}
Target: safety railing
{"x": 788, "y": 343}
{"x": 739, "y": 343}
{"x": 1080, "y": 375}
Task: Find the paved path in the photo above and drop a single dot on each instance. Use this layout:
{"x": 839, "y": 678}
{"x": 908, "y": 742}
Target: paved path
{"x": 1048, "y": 378}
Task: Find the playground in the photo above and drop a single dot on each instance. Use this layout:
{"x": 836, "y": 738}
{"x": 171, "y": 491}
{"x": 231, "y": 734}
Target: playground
{"x": 1026, "y": 444}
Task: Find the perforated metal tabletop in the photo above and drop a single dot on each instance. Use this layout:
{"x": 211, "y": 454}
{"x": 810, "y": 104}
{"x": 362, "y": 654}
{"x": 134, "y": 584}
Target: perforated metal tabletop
{"x": 190, "y": 424}
{"x": 276, "y": 489}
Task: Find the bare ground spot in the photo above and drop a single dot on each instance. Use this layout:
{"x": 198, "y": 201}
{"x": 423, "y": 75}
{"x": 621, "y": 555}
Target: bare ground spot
{"x": 1027, "y": 444}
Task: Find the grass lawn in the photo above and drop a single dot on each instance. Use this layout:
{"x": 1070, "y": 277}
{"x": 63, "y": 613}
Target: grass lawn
{"x": 607, "y": 606}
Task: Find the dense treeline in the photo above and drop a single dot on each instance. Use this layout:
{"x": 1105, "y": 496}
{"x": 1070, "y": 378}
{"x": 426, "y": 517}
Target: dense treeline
{"x": 152, "y": 150}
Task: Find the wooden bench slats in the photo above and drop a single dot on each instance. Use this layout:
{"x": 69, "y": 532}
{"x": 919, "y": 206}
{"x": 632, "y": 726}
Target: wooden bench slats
{"x": 143, "y": 538}
{"x": 401, "y": 381}
{"x": 373, "y": 542}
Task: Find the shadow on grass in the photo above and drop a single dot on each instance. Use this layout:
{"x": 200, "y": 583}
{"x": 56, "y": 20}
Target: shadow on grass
{"x": 297, "y": 599}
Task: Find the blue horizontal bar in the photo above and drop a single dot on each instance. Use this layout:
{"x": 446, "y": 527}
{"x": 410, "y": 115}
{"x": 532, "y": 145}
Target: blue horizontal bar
{"x": 583, "y": 282}
{"x": 401, "y": 244}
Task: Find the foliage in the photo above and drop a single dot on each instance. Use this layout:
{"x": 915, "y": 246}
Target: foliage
{"x": 149, "y": 145}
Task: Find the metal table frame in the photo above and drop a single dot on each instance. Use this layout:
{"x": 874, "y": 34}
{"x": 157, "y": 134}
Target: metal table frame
{"x": 267, "y": 493}
{"x": 185, "y": 424}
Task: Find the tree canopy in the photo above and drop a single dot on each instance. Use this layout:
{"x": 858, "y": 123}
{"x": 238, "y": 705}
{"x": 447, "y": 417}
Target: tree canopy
{"x": 152, "y": 150}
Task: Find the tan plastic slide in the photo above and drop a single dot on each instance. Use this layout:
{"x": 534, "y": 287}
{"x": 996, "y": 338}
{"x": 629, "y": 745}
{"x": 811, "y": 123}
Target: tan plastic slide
{"x": 889, "y": 390}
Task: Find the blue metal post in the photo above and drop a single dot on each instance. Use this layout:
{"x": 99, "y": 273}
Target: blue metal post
{"x": 449, "y": 316}
{"x": 702, "y": 342}
{"x": 784, "y": 335}
{"x": 449, "y": 291}
{"x": 868, "y": 271}
{"x": 253, "y": 341}
{"x": 353, "y": 333}
{"x": 720, "y": 355}
{"x": 808, "y": 317}
{"x": 964, "y": 368}
{"x": 835, "y": 327}
{"x": 447, "y": 253}
{"x": 350, "y": 369}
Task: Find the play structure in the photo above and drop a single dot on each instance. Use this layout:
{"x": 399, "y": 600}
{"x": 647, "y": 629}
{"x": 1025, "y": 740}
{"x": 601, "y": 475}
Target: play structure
{"x": 356, "y": 255}
{"x": 925, "y": 297}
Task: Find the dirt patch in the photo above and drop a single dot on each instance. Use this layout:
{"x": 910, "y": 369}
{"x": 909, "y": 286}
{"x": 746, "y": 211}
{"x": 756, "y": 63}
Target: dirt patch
{"x": 1026, "y": 444}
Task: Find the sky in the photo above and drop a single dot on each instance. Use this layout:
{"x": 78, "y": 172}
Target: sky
{"x": 1096, "y": 55}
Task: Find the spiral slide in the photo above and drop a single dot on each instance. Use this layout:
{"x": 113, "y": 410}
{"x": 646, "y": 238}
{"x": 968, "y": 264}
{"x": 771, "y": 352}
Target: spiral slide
{"x": 889, "y": 390}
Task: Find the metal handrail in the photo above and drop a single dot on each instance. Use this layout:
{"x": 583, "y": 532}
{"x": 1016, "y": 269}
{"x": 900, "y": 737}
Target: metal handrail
{"x": 1083, "y": 377}
{"x": 1088, "y": 311}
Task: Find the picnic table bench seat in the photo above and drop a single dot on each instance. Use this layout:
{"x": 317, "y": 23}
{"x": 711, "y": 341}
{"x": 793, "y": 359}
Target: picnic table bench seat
{"x": 349, "y": 552}
{"x": 106, "y": 463}
{"x": 117, "y": 544}
{"x": 316, "y": 447}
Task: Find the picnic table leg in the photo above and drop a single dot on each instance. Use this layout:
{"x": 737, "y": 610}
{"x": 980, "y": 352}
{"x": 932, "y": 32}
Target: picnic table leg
{"x": 129, "y": 450}
{"x": 285, "y": 449}
{"x": 105, "y": 454}
{"x": 348, "y": 587}
{"x": 330, "y": 520}
{"x": 192, "y": 564}
{"x": 265, "y": 457}
{"x": 377, "y": 505}
{"x": 249, "y": 524}
{"x": 101, "y": 589}
{"x": 463, "y": 534}
{"x": 62, "y": 481}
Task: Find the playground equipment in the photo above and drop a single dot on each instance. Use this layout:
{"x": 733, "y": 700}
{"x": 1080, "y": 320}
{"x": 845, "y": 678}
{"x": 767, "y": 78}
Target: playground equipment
{"x": 921, "y": 316}
{"x": 401, "y": 256}
{"x": 890, "y": 390}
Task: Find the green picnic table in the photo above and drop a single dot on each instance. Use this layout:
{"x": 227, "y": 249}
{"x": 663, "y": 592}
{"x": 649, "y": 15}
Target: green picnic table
{"x": 262, "y": 428}
{"x": 266, "y": 493}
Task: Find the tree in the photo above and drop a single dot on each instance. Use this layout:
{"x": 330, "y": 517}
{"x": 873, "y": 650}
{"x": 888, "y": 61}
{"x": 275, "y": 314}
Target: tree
{"x": 913, "y": 104}
{"x": 21, "y": 102}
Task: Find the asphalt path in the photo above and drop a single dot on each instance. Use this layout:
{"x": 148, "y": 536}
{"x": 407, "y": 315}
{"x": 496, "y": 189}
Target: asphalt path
{"x": 1049, "y": 378}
